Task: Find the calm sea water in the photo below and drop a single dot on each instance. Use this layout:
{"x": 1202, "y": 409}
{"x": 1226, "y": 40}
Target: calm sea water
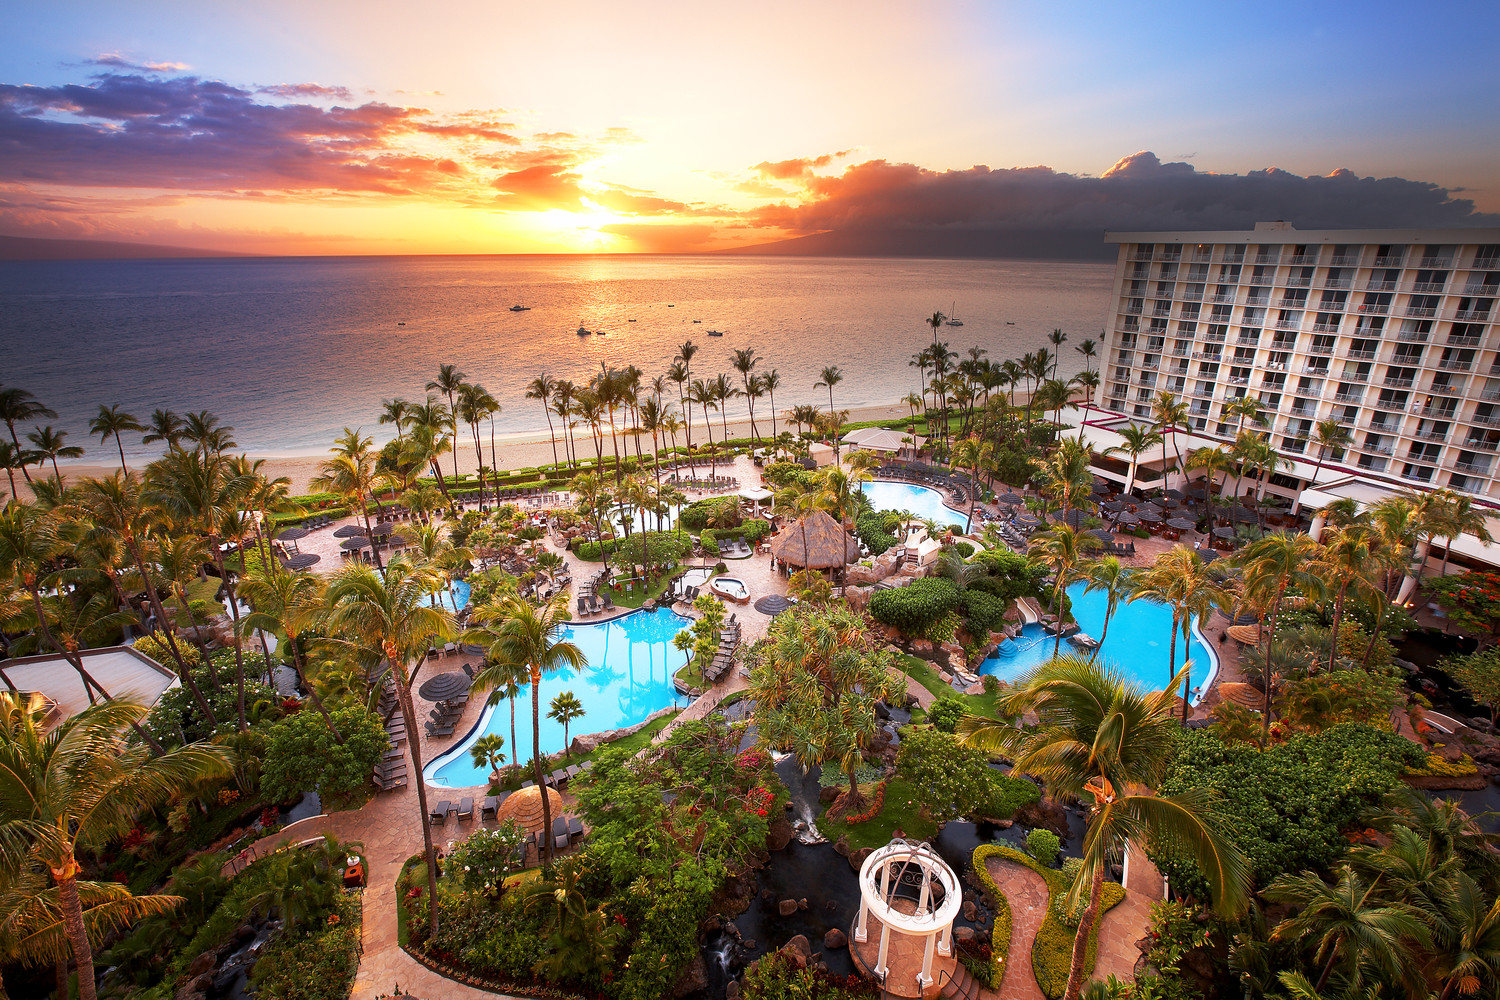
{"x": 289, "y": 350}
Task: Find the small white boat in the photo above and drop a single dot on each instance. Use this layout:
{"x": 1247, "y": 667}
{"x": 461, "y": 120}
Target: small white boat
{"x": 952, "y": 319}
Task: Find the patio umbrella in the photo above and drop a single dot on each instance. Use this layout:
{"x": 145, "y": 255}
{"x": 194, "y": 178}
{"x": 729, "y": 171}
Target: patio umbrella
{"x": 1127, "y": 518}
{"x": 772, "y": 604}
{"x": 348, "y": 531}
{"x": 441, "y": 687}
{"x": 1240, "y": 514}
{"x": 351, "y": 544}
{"x": 382, "y": 529}
{"x": 525, "y": 807}
{"x": 1181, "y": 523}
{"x": 1014, "y": 499}
{"x": 1072, "y": 518}
{"x": 292, "y": 534}
{"x": 1223, "y": 532}
{"x": 1027, "y": 518}
{"x": 1149, "y": 516}
{"x": 1113, "y": 506}
{"x": 1174, "y": 494}
{"x": 1207, "y": 555}
{"x": 303, "y": 560}
{"x": 1103, "y": 534}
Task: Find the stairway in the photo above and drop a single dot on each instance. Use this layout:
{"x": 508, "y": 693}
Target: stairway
{"x": 961, "y": 985}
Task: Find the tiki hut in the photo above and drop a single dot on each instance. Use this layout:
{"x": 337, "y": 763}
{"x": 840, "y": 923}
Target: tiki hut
{"x": 525, "y": 807}
{"x": 1242, "y": 695}
{"x": 1245, "y": 635}
{"x": 816, "y": 541}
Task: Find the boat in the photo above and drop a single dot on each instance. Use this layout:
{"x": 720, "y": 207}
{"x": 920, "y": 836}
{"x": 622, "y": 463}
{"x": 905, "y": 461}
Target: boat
{"x": 400, "y": 324}
{"x": 1009, "y": 323}
{"x": 520, "y": 308}
{"x": 952, "y": 319}
{"x": 631, "y": 320}
{"x": 671, "y": 305}
{"x": 598, "y": 333}
{"x": 583, "y": 331}
{"x": 715, "y": 333}
{"x": 697, "y": 321}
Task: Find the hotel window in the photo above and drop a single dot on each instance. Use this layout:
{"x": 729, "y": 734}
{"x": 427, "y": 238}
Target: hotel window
{"x": 1322, "y": 345}
{"x": 1407, "y": 354}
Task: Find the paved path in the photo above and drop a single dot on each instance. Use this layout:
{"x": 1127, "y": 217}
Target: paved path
{"x": 1027, "y": 895}
{"x": 1127, "y": 922}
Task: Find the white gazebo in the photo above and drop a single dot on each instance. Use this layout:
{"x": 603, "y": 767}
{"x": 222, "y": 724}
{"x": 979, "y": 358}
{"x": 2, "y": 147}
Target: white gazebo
{"x": 908, "y": 899}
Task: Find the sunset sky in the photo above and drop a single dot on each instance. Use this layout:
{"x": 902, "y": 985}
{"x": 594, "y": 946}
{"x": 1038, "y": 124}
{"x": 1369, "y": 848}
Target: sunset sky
{"x": 379, "y": 127}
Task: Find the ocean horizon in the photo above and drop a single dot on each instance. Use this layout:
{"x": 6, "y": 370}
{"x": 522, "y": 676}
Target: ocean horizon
{"x": 289, "y": 350}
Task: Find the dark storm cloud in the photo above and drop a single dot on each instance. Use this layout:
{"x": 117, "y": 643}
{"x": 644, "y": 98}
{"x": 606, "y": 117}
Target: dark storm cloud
{"x": 1138, "y": 192}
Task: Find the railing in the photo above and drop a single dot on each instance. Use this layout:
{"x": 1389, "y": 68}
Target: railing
{"x": 1377, "y": 449}
{"x": 1299, "y": 281}
{"x": 1292, "y": 302}
{"x": 1133, "y": 308}
{"x": 1222, "y": 297}
{"x": 1192, "y": 296}
{"x": 1428, "y": 286}
{"x": 1482, "y": 315}
{"x": 1338, "y": 283}
{"x": 1480, "y": 288}
{"x": 1382, "y": 426}
{"x": 1435, "y": 262}
{"x": 1393, "y": 405}
{"x": 1420, "y": 312}
{"x": 1413, "y": 336}
{"x": 1462, "y": 341}
{"x": 1289, "y": 324}
{"x": 1348, "y": 397}
{"x": 1320, "y": 349}
{"x": 1456, "y": 364}
{"x": 1443, "y": 389}
{"x": 1344, "y": 260}
{"x": 1303, "y": 259}
{"x": 1380, "y": 286}
{"x": 1257, "y": 300}
{"x": 1215, "y": 338}
{"x": 1398, "y": 383}
{"x": 1143, "y": 255}
{"x": 1485, "y": 264}
{"x": 1375, "y": 308}
{"x": 1484, "y": 444}
{"x": 1361, "y": 355}
{"x": 1431, "y": 435}
{"x": 1417, "y": 473}
{"x": 1325, "y": 328}
{"x": 1389, "y": 260}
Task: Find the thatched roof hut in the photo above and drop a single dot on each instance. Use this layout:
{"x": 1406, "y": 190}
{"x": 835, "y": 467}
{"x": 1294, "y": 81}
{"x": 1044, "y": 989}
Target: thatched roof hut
{"x": 1245, "y": 635}
{"x": 525, "y": 807}
{"x": 816, "y": 541}
{"x": 1242, "y": 695}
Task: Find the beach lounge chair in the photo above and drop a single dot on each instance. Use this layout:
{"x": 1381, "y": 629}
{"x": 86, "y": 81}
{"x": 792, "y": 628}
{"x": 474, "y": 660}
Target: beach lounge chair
{"x": 465, "y": 809}
{"x": 558, "y": 777}
{"x": 573, "y": 770}
{"x": 393, "y": 783}
{"x": 575, "y": 828}
{"x": 488, "y": 806}
{"x": 439, "y": 730}
{"x": 528, "y": 783}
{"x": 439, "y": 813}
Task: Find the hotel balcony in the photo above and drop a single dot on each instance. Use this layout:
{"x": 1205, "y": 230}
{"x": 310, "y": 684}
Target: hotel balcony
{"x": 1473, "y": 315}
{"x": 1348, "y": 397}
{"x": 1361, "y": 355}
{"x": 1456, "y": 364}
{"x": 1377, "y": 449}
{"x": 1303, "y": 259}
{"x": 1485, "y": 264}
{"x": 1431, "y": 435}
{"x": 1257, "y": 300}
{"x": 1297, "y": 281}
{"x": 1483, "y": 444}
{"x": 1412, "y": 336}
{"x": 1462, "y": 341}
{"x": 1380, "y": 286}
{"x": 1325, "y": 328}
{"x": 1292, "y": 302}
{"x": 1473, "y": 467}
{"x": 1222, "y": 298}
{"x": 1338, "y": 283}
{"x": 1344, "y": 260}
{"x": 1420, "y": 312}
{"x": 1390, "y": 260}
{"x": 1435, "y": 262}
{"x": 1375, "y": 308}
{"x": 1428, "y": 287}
{"x": 1490, "y": 421}
{"x": 1444, "y": 389}
{"x": 1289, "y": 324}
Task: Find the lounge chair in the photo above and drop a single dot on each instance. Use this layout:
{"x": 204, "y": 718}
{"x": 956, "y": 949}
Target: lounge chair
{"x": 439, "y": 730}
{"x": 558, "y": 777}
{"x": 465, "y": 808}
{"x": 391, "y": 784}
{"x": 573, "y": 770}
{"x": 528, "y": 783}
{"x": 488, "y": 806}
{"x": 575, "y": 828}
{"x": 439, "y": 813}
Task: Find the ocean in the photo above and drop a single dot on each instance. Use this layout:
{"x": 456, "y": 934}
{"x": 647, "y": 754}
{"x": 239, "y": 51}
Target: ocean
{"x": 290, "y": 350}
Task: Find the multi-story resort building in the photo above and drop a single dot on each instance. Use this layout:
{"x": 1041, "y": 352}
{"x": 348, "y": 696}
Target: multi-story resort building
{"x": 1391, "y": 333}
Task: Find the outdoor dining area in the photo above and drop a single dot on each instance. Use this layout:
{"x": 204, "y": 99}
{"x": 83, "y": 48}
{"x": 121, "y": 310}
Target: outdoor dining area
{"x": 525, "y": 808}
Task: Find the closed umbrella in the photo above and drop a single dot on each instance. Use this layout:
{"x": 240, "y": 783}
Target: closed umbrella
{"x": 1181, "y": 523}
{"x": 441, "y": 687}
{"x": 348, "y": 531}
{"x": 772, "y": 604}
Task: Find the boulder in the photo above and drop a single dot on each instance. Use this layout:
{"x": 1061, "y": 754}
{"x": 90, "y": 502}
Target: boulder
{"x": 779, "y": 835}
{"x": 835, "y": 938}
{"x": 858, "y": 598}
{"x": 963, "y": 934}
{"x": 713, "y": 924}
{"x": 841, "y": 847}
{"x": 692, "y": 979}
{"x": 970, "y": 911}
{"x": 922, "y": 648}
{"x": 786, "y": 907}
{"x": 884, "y": 564}
{"x": 857, "y": 858}
{"x": 860, "y": 576}
{"x": 732, "y": 990}
{"x": 802, "y": 903}
{"x": 827, "y": 795}
{"x": 203, "y": 963}
{"x": 800, "y": 950}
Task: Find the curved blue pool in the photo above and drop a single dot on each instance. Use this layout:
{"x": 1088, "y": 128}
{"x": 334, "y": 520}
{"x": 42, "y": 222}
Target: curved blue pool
{"x": 919, "y": 500}
{"x": 629, "y": 676}
{"x": 1136, "y": 644}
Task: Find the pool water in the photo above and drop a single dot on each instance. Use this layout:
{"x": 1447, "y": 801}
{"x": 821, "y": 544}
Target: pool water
{"x": 1136, "y": 645}
{"x": 629, "y": 676}
{"x": 919, "y": 500}
{"x": 455, "y": 598}
{"x": 619, "y": 515}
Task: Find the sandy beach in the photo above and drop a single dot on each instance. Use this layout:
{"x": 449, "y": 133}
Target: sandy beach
{"x": 514, "y": 451}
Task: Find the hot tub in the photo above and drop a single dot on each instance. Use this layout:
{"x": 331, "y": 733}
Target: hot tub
{"x": 731, "y": 589}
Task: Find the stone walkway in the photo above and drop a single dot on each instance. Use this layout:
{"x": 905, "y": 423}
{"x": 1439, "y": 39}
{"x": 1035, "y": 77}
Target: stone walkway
{"x": 1027, "y": 895}
{"x": 1127, "y": 922}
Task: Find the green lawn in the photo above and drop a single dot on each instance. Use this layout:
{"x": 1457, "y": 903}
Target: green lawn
{"x": 635, "y": 598}
{"x": 897, "y": 811}
{"x": 925, "y": 674}
{"x": 691, "y": 676}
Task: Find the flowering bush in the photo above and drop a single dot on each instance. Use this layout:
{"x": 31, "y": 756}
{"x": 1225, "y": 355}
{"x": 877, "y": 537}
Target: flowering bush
{"x": 485, "y": 858}
{"x": 1471, "y": 599}
{"x": 877, "y": 803}
{"x": 228, "y": 796}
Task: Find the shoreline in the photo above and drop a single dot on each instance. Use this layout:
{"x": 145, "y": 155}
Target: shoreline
{"x": 513, "y": 450}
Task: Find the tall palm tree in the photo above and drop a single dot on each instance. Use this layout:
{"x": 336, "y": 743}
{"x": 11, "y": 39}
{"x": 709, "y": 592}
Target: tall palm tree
{"x": 1065, "y": 473}
{"x": 1111, "y": 576}
{"x": 1102, "y": 740}
{"x": 165, "y": 426}
{"x": 1056, "y": 338}
{"x": 1273, "y": 565}
{"x": 654, "y": 415}
{"x": 208, "y": 433}
{"x": 284, "y": 603}
{"x": 449, "y": 378}
{"x": 1329, "y": 435}
{"x": 390, "y": 618}
{"x": 973, "y": 454}
{"x": 514, "y": 633}
{"x": 475, "y": 405}
{"x": 1243, "y": 408}
{"x": 1063, "y": 548}
{"x": 564, "y": 398}
{"x": 1346, "y": 558}
{"x": 1348, "y": 921}
{"x": 744, "y": 362}
{"x": 1458, "y": 516}
{"x": 685, "y": 355}
{"x": 82, "y": 786}
{"x": 112, "y": 421}
{"x": 51, "y": 444}
{"x": 1211, "y": 462}
{"x": 1137, "y": 440}
{"x": 829, "y": 377}
{"x": 703, "y": 394}
{"x": 724, "y": 391}
{"x": 1090, "y": 350}
{"x": 354, "y": 479}
{"x": 771, "y": 381}
{"x": 398, "y": 412}
{"x": 1181, "y": 580}
{"x": 541, "y": 388}
{"x": 17, "y": 405}
{"x": 1170, "y": 413}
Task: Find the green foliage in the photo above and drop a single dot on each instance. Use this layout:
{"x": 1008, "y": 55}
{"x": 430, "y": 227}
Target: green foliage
{"x": 1328, "y": 699}
{"x": 176, "y": 719}
{"x": 949, "y": 779}
{"x": 302, "y": 754}
{"x": 965, "y": 549}
{"x": 1471, "y": 599}
{"x": 711, "y": 512}
{"x": 878, "y": 530}
{"x": 750, "y": 532}
{"x": 661, "y": 547}
{"x": 781, "y": 474}
{"x": 983, "y": 612}
{"x": 917, "y": 607}
{"x": 1008, "y": 576}
{"x": 777, "y": 977}
{"x": 315, "y": 966}
{"x": 1285, "y": 807}
{"x": 1043, "y": 845}
{"x": 482, "y": 860}
{"x": 159, "y": 651}
{"x": 1479, "y": 676}
{"x": 1175, "y": 931}
{"x": 945, "y": 713}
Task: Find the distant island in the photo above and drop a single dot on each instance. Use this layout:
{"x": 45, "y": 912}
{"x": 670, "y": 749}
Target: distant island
{"x": 41, "y": 248}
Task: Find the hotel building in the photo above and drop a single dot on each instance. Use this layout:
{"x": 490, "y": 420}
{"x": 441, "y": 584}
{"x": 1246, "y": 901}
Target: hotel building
{"x": 1391, "y": 333}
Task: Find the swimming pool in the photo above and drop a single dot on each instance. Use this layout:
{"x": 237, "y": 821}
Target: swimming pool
{"x": 619, "y": 515}
{"x": 1136, "y": 644}
{"x": 455, "y": 598}
{"x": 629, "y": 676}
{"x": 919, "y": 500}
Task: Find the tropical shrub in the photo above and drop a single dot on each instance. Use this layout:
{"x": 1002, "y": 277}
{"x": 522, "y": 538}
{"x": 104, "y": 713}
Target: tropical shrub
{"x": 945, "y": 712}
{"x": 983, "y": 612}
{"x": 950, "y": 779}
{"x": 176, "y": 717}
{"x": 482, "y": 860}
{"x": 319, "y": 965}
{"x": 916, "y": 607}
{"x": 661, "y": 547}
{"x": 302, "y": 754}
{"x": 1479, "y": 676}
{"x": 965, "y": 549}
{"x": 1472, "y": 600}
{"x": 1440, "y": 767}
{"x": 777, "y": 977}
{"x": 1043, "y": 845}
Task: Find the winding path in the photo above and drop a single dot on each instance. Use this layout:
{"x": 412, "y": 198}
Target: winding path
{"x": 1027, "y": 895}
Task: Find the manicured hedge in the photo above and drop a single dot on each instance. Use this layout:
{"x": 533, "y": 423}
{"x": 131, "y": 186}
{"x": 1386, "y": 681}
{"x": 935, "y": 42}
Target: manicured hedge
{"x": 877, "y": 530}
{"x": 985, "y": 612}
{"x": 917, "y": 607}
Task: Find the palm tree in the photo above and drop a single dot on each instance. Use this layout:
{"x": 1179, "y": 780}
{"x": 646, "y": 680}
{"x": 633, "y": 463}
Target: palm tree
{"x": 111, "y": 422}
{"x": 1347, "y": 921}
{"x": 1346, "y": 557}
{"x": 449, "y": 378}
{"x": 1063, "y": 548}
{"x": 1170, "y": 412}
{"x": 164, "y": 426}
{"x": 973, "y": 454}
{"x": 1109, "y": 575}
{"x": 354, "y": 479}
{"x": 1099, "y": 737}
{"x": 17, "y": 405}
{"x": 283, "y": 603}
{"x": 1056, "y": 338}
{"x": 488, "y": 751}
{"x": 828, "y": 378}
{"x": 389, "y": 618}
{"x": 744, "y": 362}
{"x": 564, "y": 709}
{"x": 515, "y": 633}
{"x": 82, "y": 786}
{"x": 703, "y": 394}
{"x": 1065, "y": 473}
{"x": 1273, "y": 565}
{"x": 1460, "y": 517}
{"x": 723, "y": 391}
{"x": 1244, "y": 408}
{"x": 541, "y": 388}
{"x": 207, "y": 433}
{"x": 685, "y": 356}
{"x": 1467, "y": 948}
{"x": 1137, "y": 440}
{"x": 475, "y": 404}
{"x": 398, "y": 412}
{"x": 771, "y": 381}
{"x": 1090, "y": 350}
{"x": 1211, "y": 462}
{"x": 51, "y": 444}
{"x": 1181, "y": 580}
{"x": 12, "y": 459}
{"x": 1328, "y": 435}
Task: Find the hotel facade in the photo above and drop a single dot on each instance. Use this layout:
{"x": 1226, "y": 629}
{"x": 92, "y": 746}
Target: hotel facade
{"x": 1391, "y": 333}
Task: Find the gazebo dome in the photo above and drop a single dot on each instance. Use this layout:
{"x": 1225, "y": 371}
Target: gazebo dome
{"x": 911, "y": 895}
